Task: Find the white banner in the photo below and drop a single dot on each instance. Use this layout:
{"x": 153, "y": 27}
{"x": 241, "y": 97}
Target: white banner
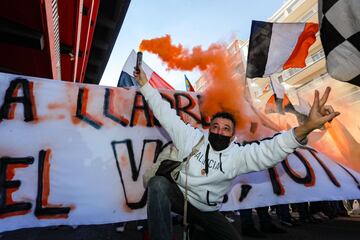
{"x": 74, "y": 154}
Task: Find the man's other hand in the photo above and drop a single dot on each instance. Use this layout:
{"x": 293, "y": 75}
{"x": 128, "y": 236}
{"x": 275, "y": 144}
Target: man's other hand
{"x": 319, "y": 114}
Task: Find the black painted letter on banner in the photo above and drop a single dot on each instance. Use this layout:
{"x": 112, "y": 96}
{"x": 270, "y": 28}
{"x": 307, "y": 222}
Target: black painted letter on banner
{"x": 41, "y": 210}
{"x": 185, "y": 109}
{"x": 140, "y": 107}
{"x": 245, "y": 189}
{"x": 7, "y": 206}
{"x": 11, "y": 98}
{"x": 309, "y": 179}
{"x": 351, "y": 175}
{"x": 326, "y": 169}
{"x": 107, "y": 109}
{"x": 81, "y": 106}
{"x": 205, "y": 120}
{"x": 278, "y": 188}
{"x": 134, "y": 169}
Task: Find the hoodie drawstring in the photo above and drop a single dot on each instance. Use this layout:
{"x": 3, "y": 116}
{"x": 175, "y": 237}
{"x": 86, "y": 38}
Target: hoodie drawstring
{"x": 207, "y": 159}
{"x": 221, "y": 164}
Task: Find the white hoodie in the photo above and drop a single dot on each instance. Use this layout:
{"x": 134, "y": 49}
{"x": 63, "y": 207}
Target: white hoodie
{"x": 206, "y": 192}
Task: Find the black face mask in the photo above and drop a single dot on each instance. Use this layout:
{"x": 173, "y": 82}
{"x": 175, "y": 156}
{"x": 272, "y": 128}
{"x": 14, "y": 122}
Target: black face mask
{"x": 219, "y": 142}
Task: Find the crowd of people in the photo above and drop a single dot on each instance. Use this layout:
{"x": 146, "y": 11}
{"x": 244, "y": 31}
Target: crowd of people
{"x": 277, "y": 219}
{"x": 289, "y": 215}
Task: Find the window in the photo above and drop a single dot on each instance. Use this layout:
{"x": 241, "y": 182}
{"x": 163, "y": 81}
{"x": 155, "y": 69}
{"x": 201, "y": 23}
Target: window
{"x": 233, "y": 49}
{"x": 308, "y": 15}
{"x": 279, "y": 17}
{"x": 292, "y": 6}
{"x": 315, "y": 57}
{"x": 291, "y": 71}
{"x": 258, "y": 93}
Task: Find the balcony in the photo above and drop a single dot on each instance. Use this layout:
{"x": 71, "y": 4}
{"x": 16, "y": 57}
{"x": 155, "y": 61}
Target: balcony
{"x": 314, "y": 63}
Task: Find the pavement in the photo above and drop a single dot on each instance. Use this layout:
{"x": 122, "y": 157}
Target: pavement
{"x": 345, "y": 228}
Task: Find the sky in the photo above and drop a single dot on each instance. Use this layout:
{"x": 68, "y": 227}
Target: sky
{"x": 188, "y": 22}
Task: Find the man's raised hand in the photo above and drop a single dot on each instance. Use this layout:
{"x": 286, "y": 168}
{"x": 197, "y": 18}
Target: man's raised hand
{"x": 140, "y": 76}
{"x": 319, "y": 114}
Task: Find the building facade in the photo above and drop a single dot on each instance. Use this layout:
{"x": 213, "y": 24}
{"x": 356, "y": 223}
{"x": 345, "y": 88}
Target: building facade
{"x": 297, "y": 81}
{"x": 235, "y": 49}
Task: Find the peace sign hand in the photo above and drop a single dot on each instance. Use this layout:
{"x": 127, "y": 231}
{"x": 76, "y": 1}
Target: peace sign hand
{"x": 318, "y": 116}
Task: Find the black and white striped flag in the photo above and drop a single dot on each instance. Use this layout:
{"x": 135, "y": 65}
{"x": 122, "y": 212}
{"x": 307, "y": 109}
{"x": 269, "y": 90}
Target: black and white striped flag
{"x": 278, "y": 46}
{"x": 340, "y": 36}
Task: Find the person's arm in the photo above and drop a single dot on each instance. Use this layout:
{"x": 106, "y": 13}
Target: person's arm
{"x": 267, "y": 153}
{"x": 260, "y": 155}
{"x": 184, "y": 136}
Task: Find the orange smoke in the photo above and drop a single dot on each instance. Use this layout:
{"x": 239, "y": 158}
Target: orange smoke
{"x": 346, "y": 144}
{"x": 224, "y": 91}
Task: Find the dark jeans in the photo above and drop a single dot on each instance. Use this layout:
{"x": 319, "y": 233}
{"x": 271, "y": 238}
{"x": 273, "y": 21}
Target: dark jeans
{"x": 263, "y": 214}
{"x": 283, "y": 212}
{"x": 164, "y": 197}
{"x": 303, "y": 210}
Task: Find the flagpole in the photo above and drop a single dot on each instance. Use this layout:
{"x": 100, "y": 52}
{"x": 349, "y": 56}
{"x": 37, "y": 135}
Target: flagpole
{"x": 273, "y": 89}
{"x": 271, "y": 85}
{"x": 247, "y": 91}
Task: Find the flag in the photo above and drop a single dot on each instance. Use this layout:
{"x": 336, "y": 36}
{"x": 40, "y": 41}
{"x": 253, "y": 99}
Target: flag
{"x": 127, "y": 80}
{"x": 278, "y": 105}
{"x": 340, "y": 37}
{"x": 266, "y": 88}
{"x": 303, "y": 107}
{"x": 188, "y": 85}
{"x": 277, "y": 88}
{"x": 276, "y": 46}
{"x": 279, "y": 102}
{"x": 282, "y": 106}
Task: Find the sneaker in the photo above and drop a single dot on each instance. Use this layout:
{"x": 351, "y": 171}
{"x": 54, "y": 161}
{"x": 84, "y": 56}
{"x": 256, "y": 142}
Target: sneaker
{"x": 289, "y": 222}
{"x": 317, "y": 217}
{"x": 271, "y": 228}
{"x": 229, "y": 219}
{"x": 286, "y": 223}
{"x": 308, "y": 219}
{"x": 295, "y": 221}
{"x": 121, "y": 228}
{"x": 323, "y": 216}
{"x": 251, "y": 231}
{"x": 316, "y": 220}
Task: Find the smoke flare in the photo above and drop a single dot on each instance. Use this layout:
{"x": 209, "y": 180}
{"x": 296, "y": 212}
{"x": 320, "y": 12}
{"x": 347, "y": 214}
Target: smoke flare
{"x": 224, "y": 91}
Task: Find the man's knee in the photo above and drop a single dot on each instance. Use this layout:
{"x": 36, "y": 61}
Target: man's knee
{"x": 158, "y": 184}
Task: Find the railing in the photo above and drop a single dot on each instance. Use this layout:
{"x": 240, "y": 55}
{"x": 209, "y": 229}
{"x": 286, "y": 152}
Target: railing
{"x": 287, "y": 74}
{"x": 286, "y": 10}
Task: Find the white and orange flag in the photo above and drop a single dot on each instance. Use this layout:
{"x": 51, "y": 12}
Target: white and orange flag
{"x": 278, "y": 46}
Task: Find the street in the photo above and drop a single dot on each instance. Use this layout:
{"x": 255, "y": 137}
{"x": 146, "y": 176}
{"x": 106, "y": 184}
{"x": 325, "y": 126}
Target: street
{"x": 339, "y": 228}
